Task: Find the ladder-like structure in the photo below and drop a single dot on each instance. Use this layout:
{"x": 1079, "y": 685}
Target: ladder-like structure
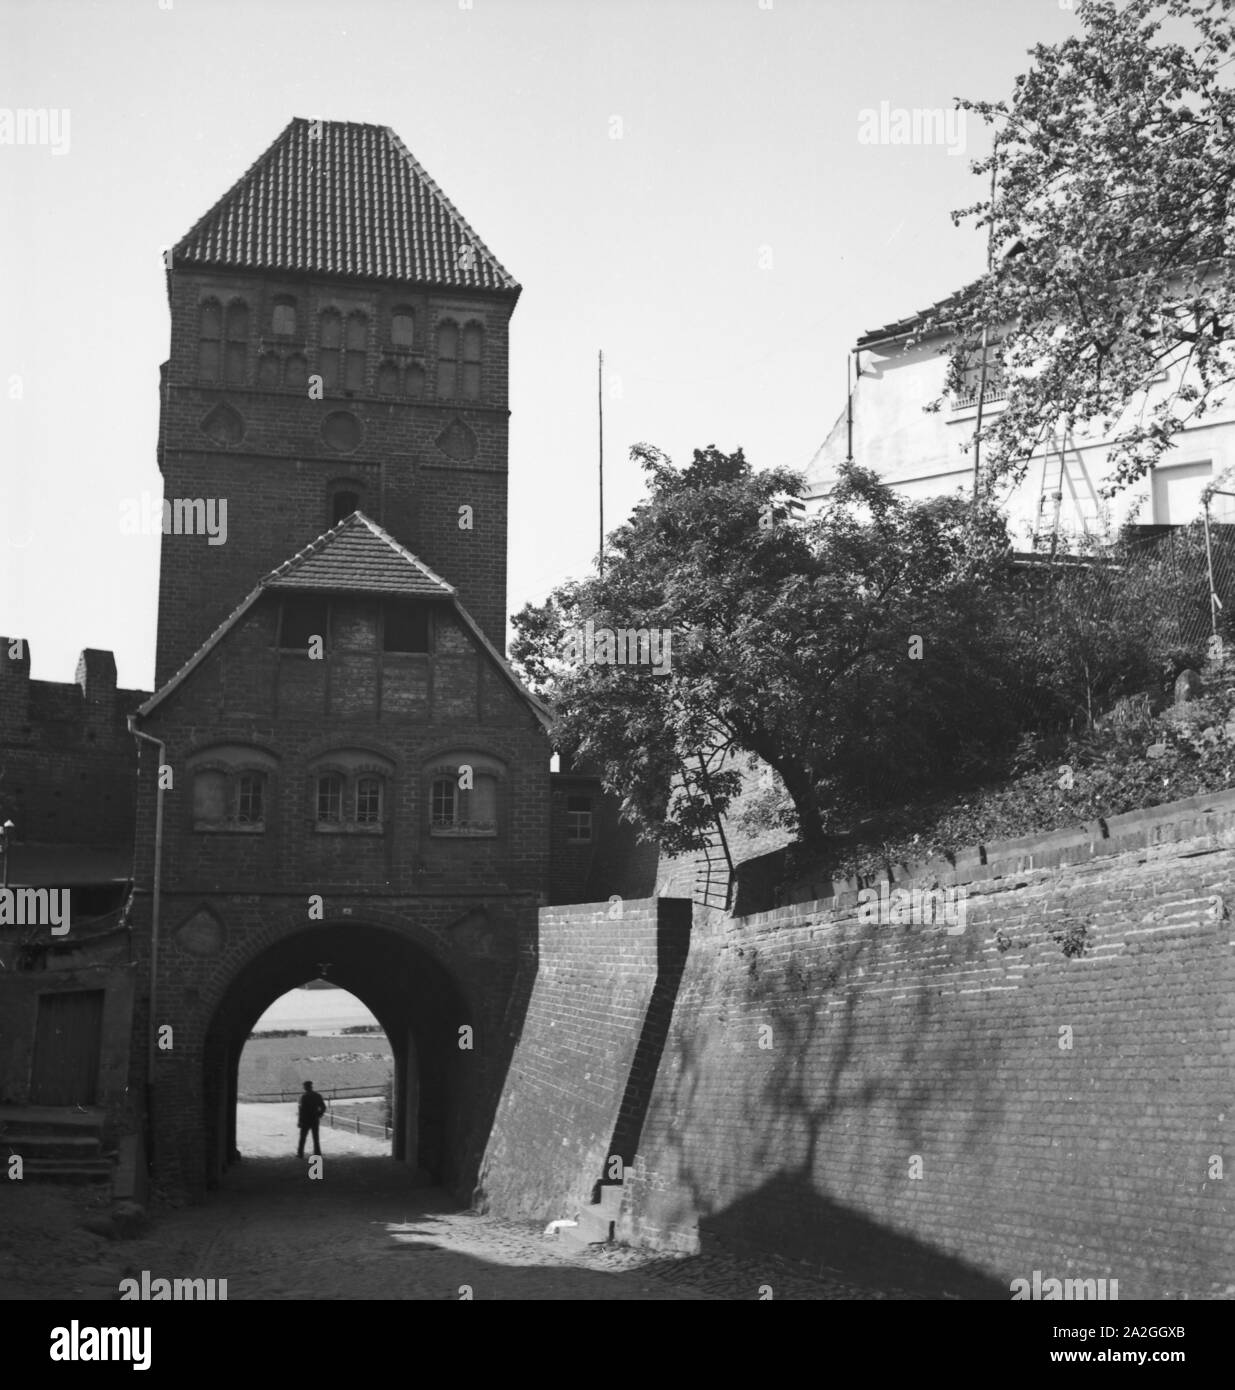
{"x": 1064, "y": 471}
{"x": 714, "y": 864}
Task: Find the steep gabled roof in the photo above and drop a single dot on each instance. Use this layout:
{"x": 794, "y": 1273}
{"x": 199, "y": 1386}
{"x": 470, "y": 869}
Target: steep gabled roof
{"x": 338, "y": 198}
{"x": 356, "y": 556}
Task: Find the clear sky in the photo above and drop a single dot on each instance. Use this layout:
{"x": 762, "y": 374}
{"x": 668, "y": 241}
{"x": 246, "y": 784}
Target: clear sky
{"x": 725, "y": 251}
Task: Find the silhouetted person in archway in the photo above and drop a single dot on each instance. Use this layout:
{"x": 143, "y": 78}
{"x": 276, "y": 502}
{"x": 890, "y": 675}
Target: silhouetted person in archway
{"x": 312, "y": 1108}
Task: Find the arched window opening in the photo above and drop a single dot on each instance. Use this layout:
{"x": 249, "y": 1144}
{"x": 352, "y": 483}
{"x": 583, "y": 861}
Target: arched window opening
{"x": 402, "y": 327}
{"x": 473, "y": 339}
{"x": 357, "y": 339}
{"x": 209, "y": 335}
{"x": 447, "y": 358}
{"x": 237, "y": 342}
{"x": 330, "y": 349}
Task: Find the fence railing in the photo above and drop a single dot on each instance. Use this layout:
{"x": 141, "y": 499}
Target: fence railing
{"x": 354, "y": 1125}
{"x": 335, "y": 1093}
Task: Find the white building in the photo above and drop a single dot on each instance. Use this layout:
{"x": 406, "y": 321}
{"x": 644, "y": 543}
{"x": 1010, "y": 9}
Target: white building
{"x": 899, "y": 369}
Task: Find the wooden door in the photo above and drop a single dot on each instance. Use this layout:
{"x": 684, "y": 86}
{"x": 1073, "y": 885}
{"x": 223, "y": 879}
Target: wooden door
{"x": 67, "y": 1044}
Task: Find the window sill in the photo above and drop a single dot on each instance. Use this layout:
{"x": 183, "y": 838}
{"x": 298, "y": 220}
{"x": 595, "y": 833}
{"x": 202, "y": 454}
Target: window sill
{"x": 213, "y": 828}
{"x": 442, "y": 834}
{"x": 346, "y": 828}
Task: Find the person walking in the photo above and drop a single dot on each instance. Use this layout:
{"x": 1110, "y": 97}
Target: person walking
{"x": 312, "y": 1108}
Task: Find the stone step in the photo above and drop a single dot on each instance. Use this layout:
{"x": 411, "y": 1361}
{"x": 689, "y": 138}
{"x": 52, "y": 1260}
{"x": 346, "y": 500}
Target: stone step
{"x": 37, "y": 1146}
{"x": 22, "y": 1120}
{"x": 67, "y": 1171}
{"x": 597, "y": 1220}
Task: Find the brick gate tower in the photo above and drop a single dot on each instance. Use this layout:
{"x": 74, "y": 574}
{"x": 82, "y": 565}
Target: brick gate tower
{"x": 340, "y": 774}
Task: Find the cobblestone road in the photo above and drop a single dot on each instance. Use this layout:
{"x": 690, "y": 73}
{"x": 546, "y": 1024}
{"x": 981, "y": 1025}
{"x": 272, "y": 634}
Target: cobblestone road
{"x": 360, "y": 1232}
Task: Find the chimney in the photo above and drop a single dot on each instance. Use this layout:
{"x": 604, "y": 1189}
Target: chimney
{"x": 96, "y": 674}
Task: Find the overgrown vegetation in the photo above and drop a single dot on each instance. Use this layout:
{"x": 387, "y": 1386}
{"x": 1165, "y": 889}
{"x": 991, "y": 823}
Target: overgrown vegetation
{"x": 893, "y": 666}
{"x": 1086, "y": 777}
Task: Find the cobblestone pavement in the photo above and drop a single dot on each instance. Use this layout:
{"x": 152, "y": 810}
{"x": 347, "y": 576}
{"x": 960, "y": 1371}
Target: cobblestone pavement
{"x": 361, "y": 1231}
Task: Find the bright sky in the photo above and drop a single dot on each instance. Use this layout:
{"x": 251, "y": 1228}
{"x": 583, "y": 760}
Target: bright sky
{"x": 725, "y": 251}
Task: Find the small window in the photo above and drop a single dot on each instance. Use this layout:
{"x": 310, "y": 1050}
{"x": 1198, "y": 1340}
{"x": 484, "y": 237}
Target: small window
{"x": 444, "y": 801}
{"x": 402, "y": 327}
{"x": 343, "y": 504}
{"x": 405, "y": 627}
{"x": 447, "y": 358}
{"x": 229, "y": 790}
{"x": 579, "y": 819}
{"x": 354, "y": 366}
{"x": 209, "y": 798}
{"x": 330, "y": 799}
{"x": 237, "y": 342}
{"x": 303, "y": 618}
{"x": 283, "y": 319}
{"x": 331, "y": 348}
{"x": 457, "y": 810}
{"x": 368, "y": 800}
{"x": 211, "y": 332}
{"x": 250, "y": 789}
{"x": 472, "y": 341}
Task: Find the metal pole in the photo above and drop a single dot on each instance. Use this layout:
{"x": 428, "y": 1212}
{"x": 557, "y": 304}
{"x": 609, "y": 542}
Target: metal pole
{"x": 600, "y": 429}
{"x": 155, "y": 907}
{"x": 1209, "y": 563}
{"x": 977, "y": 424}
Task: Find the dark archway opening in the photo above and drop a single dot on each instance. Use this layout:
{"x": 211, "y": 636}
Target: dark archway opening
{"x": 420, "y": 1008}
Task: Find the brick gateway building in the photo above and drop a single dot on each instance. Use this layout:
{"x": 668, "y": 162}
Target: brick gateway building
{"x": 339, "y": 774}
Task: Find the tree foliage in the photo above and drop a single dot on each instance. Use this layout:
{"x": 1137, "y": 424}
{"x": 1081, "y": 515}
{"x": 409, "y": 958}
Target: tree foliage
{"x": 1113, "y": 163}
{"x": 839, "y": 650}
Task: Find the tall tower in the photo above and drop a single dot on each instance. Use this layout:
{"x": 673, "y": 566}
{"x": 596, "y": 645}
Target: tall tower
{"x": 339, "y": 341}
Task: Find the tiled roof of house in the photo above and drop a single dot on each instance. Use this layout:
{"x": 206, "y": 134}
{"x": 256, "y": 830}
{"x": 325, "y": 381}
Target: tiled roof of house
{"x": 899, "y": 328}
{"x": 358, "y": 556}
{"x": 338, "y": 198}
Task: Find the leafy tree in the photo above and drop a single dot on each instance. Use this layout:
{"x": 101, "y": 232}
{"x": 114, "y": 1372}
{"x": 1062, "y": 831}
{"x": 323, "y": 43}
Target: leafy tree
{"x": 839, "y": 650}
{"x": 1113, "y": 165}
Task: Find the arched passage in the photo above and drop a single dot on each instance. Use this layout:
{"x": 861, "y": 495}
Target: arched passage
{"x": 418, "y": 1004}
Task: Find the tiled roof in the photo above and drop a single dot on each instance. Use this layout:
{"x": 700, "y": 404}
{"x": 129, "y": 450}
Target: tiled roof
{"x": 337, "y": 198}
{"x": 358, "y": 556}
{"x": 900, "y": 327}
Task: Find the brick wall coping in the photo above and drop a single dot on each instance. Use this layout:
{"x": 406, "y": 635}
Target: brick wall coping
{"x": 1195, "y": 817}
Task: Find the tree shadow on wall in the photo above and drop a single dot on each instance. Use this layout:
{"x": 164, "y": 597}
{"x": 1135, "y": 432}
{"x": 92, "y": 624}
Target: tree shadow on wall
{"x": 861, "y": 1077}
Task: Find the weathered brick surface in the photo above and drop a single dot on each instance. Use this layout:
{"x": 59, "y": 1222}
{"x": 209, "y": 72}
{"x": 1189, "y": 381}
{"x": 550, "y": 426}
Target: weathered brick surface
{"x": 574, "y": 1078}
{"x": 890, "y": 1043}
{"x": 277, "y": 476}
{"x": 428, "y": 930}
{"x": 67, "y": 762}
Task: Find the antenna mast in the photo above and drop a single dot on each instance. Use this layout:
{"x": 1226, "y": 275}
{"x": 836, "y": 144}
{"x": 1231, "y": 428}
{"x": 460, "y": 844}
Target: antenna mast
{"x": 600, "y": 426}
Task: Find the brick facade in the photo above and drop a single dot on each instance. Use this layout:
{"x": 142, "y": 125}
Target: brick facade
{"x": 416, "y": 463}
{"x": 949, "y": 1112}
{"x": 264, "y": 407}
